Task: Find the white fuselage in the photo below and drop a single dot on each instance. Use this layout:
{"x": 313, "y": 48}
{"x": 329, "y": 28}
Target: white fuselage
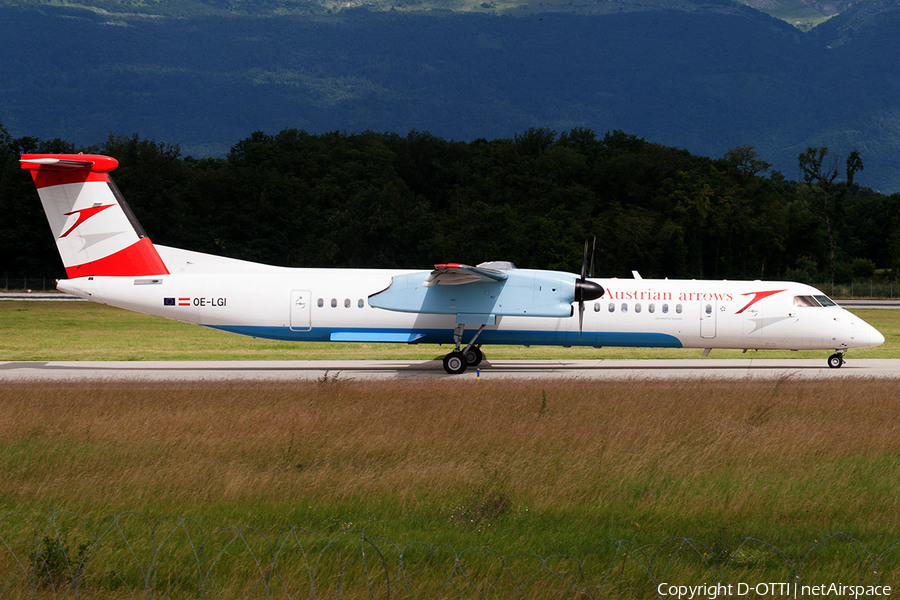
{"x": 332, "y": 305}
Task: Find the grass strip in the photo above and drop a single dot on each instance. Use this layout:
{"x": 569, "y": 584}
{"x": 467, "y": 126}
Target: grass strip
{"x": 88, "y": 331}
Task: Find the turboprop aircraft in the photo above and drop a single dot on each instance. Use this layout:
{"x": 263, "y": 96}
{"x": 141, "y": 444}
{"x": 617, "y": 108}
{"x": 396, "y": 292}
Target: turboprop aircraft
{"x": 110, "y": 260}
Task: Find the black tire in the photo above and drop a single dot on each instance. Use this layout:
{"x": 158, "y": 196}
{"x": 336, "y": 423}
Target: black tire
{"x": 455, "y": 363}
{"x": 835, "y": 361}
{"x": 474, "y": 356}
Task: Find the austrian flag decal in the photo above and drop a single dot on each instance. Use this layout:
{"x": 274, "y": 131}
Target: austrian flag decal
{"x": 180, "y": 301}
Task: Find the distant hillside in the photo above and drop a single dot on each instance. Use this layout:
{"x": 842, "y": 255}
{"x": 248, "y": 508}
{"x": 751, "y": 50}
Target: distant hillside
{"x": 868, "y": 23}
{"x": 707, "y": 80}
{"x": 801, "y": 13}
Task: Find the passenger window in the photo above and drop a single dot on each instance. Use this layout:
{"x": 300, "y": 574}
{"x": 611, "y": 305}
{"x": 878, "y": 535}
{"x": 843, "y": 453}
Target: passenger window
{"x": 320, "y": 303}
{"x": 665, "y": 308}
{"x": 612, "y": 307}
{"x": 624, "y": 308}
{"x": 596, "y": 307}
{"x": 652, "y": 308}
{"x": 334, "y": 303}
{"x": 360, "y": 303}
{"x": 709, "y": 309}
{"x": 637, "y": 307}
{"x": 347, "y": 303}
{"x": 678, "y": 308}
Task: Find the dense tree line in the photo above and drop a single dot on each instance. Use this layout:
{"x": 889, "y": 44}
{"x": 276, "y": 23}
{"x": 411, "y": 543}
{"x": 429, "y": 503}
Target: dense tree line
{"x": 388, "y": 200}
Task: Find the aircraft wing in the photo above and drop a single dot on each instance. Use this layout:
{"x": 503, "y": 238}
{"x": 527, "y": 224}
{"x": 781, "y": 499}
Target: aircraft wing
{"x": 458, "y": 274}
{"x": 479, "y": 294}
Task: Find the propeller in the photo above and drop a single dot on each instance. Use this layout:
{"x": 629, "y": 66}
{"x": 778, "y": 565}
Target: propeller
{"x": 586, "y": 290}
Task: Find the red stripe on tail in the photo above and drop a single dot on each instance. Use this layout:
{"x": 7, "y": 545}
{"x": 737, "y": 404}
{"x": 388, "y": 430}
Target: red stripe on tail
{"x": 137, "y": 259}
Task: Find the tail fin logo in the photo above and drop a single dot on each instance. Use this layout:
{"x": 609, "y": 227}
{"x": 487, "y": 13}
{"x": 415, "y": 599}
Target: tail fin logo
{"x": 83, "y": 215}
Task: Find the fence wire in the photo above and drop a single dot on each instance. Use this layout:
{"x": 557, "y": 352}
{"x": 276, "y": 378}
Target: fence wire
{"x": 128, "y": 555}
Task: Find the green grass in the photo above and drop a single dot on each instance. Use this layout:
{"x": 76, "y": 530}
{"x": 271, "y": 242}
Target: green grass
{"x": 48, "y": 331}
{"x": 537, "y": 467}
{"x": 541, "y": 467}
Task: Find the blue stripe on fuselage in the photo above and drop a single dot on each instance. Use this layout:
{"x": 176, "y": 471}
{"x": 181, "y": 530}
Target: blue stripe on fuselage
{"x": 445, "y": 336}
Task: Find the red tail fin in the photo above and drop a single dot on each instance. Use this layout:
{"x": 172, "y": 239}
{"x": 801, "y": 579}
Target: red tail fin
{"x": 96, "y": 232}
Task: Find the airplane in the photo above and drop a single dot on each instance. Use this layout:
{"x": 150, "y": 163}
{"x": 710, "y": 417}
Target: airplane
{"x": 109, "y": 259}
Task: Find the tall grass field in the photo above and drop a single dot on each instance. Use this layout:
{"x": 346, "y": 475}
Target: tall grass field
{"x": 537, "y": 467}
{"x": 540, "y": 467}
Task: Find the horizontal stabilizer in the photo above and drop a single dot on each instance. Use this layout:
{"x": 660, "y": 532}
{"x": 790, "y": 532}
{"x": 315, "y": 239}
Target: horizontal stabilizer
{"x": 57, "y": 163}
{"x": 69, "y": 162}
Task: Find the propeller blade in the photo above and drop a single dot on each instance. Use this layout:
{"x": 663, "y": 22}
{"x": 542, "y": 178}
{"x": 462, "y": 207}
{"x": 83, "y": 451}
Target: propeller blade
{"x": 593, "y": 251}
{"x": 584, "y": 261}
{"x": 580, "y": 318}
{"x": 584, "y": 289}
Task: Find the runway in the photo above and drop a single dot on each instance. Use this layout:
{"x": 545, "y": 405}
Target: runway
{"x": 366, "y": 370}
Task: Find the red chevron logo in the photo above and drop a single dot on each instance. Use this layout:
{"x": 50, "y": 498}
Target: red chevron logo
{"x": 757, "y": 296}
{"x": 83, "y": 215}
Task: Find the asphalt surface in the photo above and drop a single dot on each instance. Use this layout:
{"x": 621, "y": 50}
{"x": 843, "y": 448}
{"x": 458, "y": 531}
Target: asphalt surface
{"x": 710, "y": 368}
{"x": 362, "y": 370}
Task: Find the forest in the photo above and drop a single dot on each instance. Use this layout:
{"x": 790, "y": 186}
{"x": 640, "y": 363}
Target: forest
{"x": 390, "y": 200}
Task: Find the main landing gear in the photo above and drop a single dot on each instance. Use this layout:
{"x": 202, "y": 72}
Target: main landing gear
{"x": 836, "y": 360}
{"x": 460, "y": 359}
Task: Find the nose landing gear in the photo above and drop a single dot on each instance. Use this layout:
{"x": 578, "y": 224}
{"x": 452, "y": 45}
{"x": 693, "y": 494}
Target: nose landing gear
{"x": 836, "y": 360}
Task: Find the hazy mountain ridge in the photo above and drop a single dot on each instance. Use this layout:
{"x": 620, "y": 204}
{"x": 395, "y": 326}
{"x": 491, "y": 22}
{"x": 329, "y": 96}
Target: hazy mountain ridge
{"x": 708, "y": 80}
{"x": 868, "y": 20}
{"x": 137, "y": 9}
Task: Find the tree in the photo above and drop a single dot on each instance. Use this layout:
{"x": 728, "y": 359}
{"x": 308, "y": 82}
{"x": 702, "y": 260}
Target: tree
{"x": 746, "y": 160}
{"x": 825, "y": 198}
{"x": 5, "y": 140}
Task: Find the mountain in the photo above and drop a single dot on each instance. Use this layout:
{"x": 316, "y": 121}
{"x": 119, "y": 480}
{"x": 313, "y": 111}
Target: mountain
{"x": 709, "y": 76}
{"x": 869, "y": 23}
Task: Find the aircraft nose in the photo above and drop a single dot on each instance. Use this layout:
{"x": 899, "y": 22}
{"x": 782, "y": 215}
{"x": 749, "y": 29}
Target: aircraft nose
{"x": 866, "y": 335}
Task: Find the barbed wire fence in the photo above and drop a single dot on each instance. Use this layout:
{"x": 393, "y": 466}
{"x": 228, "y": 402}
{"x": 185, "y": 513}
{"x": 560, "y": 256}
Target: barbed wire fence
{"x": 128, "y": 555}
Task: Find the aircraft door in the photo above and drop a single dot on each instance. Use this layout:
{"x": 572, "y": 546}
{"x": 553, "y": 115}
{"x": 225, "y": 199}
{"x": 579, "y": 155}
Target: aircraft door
{"x": 300, "y": 310}
{"x": 708, "y": 312}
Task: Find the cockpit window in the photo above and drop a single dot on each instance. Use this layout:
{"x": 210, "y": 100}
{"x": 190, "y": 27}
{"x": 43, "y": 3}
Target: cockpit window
{"x": 805, "y": 301}
{"x": 825, "y": 301}
{"x": 813, "y": 301}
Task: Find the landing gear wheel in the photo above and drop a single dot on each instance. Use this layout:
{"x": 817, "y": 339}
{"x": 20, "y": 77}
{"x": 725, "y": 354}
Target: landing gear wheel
{"x": 455, "y": 363}
{"x": 835, "y": 361}
{"x": 474, "y": 356}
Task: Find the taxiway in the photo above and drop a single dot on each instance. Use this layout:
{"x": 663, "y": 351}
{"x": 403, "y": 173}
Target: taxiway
{"x": 361, "y": 370}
